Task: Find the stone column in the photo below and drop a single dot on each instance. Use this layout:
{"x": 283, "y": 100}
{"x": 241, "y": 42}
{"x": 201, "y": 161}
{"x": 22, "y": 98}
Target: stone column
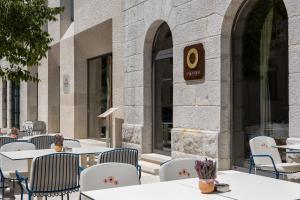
{"x": 67, "y": 103}
{"x": 3, "y": 104}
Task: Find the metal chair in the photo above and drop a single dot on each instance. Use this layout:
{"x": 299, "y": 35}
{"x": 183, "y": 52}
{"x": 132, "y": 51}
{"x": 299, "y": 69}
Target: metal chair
{"x": 178, "y": 169}
{"x": 3, "y": 177}
{"x": 108, "y": 175}
{"x": 121, "y": 155}
{"x": 4, "y": 140}
{"x": 52, "y": 175}
{"x": 42, "y": 141}
{"x": 265, "y": 157}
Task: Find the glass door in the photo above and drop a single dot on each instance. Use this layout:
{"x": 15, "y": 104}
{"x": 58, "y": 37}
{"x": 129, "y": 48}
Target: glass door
{"x": 163, "y": 105}
{"x": 99, "y": 94}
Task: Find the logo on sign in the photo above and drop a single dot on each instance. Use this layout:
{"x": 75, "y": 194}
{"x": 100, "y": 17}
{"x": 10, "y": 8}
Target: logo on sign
{"x": 194, "y": 63}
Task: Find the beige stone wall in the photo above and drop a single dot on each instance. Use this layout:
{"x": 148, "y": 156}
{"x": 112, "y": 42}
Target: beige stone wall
{"x": 67, "y": 98}
{"x": 29, "y": 99}
{"x": 93, "y": 42}
{"x": 199, "y": 107}
{"x": 96, "y": 30}
{"x": 43, "y": 91}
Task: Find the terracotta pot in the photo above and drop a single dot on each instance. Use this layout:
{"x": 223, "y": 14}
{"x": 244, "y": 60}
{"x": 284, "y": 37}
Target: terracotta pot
{"x": 58, "y": 148}
{"x": 206, "y": 186}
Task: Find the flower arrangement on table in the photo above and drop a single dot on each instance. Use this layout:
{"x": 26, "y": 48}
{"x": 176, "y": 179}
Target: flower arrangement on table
{"x": 58, "y": 142}
{"x": 14, "y": 132}
{"x": 207, "y": 173}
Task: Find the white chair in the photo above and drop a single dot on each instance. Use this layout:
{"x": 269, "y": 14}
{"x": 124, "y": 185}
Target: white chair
{"x": 108, "y": 175}
{"x": 267, "y": 158}
{"x": 178, "y": 169}
{"x": 10, "y": 166}
{"x": 69, "y": 143}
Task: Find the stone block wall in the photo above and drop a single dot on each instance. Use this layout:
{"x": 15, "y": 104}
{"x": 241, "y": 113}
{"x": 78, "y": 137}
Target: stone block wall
{"x": 197, "y": 104}
{"x": 200, "y": 107}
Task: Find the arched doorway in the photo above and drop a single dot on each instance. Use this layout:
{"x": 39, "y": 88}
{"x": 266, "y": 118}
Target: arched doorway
{"x": 260, "y": 75}
{"x": 162, "y": 89}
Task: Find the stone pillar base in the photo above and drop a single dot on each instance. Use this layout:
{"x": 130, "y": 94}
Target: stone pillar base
{"x": 131, "y": 136}
{"x": 194, "y": 143}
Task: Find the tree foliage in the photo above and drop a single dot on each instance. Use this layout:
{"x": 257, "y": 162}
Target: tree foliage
{"x": 24, "y": 39}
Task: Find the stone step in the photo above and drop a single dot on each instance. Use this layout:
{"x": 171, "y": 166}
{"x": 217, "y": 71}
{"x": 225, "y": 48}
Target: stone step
{"x": 150, "y": 168}
{"x": 155, "y": 158}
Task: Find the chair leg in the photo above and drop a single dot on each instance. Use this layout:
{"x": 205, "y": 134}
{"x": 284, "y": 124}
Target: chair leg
{"x": 277, "y": 175}
{"x": 68, "y": 196}
{"x": 251, "y": 164}
{"x": 62, "y": 197}
{"x": 250, "y": 167}
{"x": 2, "y": 187}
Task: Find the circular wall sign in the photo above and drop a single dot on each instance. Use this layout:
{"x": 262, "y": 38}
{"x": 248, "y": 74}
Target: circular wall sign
{"x": 192, "y": 58}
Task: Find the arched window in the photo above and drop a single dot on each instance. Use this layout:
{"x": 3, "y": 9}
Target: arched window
{"x": 260, "y": 74}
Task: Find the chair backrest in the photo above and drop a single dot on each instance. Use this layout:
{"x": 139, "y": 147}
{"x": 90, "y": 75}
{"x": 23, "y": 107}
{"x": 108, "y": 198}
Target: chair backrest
{"x": 42, "y": 141}
{"x": 12, "y": 165}
{"x": 55, "y": 173}
{"x": 263, "y": 145}
{"x": 120, "y": 155}
{"x": 70, "y": 143}
{"x": 4, "y": 140}
{"x": 108, "y": 175}
{"x": 178, "y": 169}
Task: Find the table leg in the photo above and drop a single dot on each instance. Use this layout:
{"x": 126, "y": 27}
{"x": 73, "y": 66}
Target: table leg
{"x": 83, "y": 161}
{"x": 29, "y": 162}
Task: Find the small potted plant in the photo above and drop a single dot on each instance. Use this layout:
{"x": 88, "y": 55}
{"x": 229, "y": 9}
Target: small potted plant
{"x": 58, "y": 142}
{"x": 14, "y": 132}
{"x": 206, "y": 170}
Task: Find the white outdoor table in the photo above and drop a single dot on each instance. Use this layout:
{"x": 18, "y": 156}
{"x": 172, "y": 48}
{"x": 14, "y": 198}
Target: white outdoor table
{"x": 243, "y": 187}
{"x": 163, "y": 190}
{"x": 30, "y": 154}
{"x": 295, "y": 147}
{"x": 246, "y": 186}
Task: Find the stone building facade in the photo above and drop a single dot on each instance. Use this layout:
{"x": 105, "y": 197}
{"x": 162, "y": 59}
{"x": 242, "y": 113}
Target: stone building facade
{"x": 202, "y": 110}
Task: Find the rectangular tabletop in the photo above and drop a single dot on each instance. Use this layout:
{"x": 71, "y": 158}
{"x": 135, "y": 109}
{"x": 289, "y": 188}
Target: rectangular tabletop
{"x": 289, "y": 147}
{"x": 30, "y": 154}
{"x": 243, "y": 187}
{"x": 249, "y": 186}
